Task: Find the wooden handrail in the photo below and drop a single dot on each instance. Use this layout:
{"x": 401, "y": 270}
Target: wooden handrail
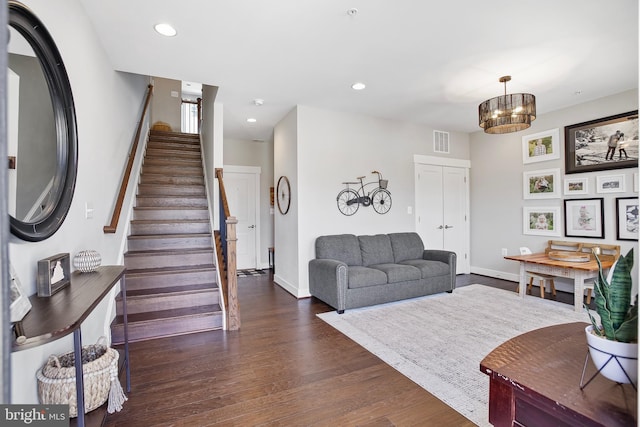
{"x": 113, "y": 225}
{"x": 223, "y": 194}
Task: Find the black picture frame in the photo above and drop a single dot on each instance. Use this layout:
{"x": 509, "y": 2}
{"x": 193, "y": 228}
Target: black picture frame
{"x": 586, "y": 148}
{"x": 54, "y": 273}
{"x": 584, "y": 218}
{"x": 627, "y": 218}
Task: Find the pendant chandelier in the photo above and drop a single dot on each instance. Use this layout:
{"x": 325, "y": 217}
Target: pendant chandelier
{"x": 507, "y": 113}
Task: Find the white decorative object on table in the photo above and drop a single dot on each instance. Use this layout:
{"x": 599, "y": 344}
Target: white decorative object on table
{"x": 87, "y": 261}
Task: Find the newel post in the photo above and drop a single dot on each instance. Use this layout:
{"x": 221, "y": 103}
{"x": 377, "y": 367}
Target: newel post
{"x": 233, "y": 313}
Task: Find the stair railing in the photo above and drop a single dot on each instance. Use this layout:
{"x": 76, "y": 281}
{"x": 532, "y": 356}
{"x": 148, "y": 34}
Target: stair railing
{"x": 117, "y": 209}
{"x": 227, "y": 258}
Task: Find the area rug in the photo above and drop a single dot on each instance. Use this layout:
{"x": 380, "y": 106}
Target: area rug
{"x": 438, "y": 341}
{"x": 250, "y": 272}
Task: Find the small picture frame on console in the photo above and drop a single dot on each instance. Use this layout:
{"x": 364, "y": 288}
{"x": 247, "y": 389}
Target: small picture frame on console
{"x": 54, "y": 273}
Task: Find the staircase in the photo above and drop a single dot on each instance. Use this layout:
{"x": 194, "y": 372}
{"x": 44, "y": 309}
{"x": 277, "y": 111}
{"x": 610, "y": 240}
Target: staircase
{"x": 171, "y": 276}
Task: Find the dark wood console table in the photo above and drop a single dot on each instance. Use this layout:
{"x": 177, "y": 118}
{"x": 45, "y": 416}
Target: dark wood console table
{"x": 59, "y": 315}
{"x": 535, "y": 381}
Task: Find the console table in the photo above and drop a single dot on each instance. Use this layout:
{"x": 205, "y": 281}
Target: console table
{"x": 534, "y": 379}
{"x": 59, "y": 315}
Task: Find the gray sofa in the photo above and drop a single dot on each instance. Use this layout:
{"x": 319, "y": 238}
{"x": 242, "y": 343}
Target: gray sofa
{"x": 356, "y": 271}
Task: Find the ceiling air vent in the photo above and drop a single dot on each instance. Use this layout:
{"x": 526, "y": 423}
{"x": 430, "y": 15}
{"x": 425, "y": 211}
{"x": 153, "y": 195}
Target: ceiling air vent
{"x": 440, "y": 142}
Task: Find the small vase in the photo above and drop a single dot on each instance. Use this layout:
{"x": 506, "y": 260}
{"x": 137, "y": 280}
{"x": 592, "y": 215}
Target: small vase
{"x": 626, "y": 357}
{"x": 87, "y": 261}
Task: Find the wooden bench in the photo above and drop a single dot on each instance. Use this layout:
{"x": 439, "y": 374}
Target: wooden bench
{"x": 606, "y": 252}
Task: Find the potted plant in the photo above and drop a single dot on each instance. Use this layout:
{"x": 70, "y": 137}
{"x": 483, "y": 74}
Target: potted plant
{"x": 613, "y": 342}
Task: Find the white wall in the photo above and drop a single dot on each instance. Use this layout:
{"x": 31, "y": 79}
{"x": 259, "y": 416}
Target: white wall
{"x": 211, "y": 149}
{"x": 333, "y": 147}
{"x": 285, "y": 160}
{"x": 165, "y": 107}
{"x": 250, "y": 153}
{"x": 496, "y": 188}
{"x": 108, "y": 105}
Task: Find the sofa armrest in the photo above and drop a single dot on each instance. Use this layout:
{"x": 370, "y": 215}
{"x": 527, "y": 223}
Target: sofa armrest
{"x": 328, "y": 282}
{"x": 447, "y": 257}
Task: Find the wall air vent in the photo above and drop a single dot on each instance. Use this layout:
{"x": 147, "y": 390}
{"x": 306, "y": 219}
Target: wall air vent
{"x": 440, "y": 142}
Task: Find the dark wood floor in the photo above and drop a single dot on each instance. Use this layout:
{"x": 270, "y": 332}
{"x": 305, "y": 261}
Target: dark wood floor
{"x": 284, "y": 367}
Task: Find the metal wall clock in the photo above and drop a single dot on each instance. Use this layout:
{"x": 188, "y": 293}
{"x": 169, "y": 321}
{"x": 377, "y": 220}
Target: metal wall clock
{"x": 284, "y": 195}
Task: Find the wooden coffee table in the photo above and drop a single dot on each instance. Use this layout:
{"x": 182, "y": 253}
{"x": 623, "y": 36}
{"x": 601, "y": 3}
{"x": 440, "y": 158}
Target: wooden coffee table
{"x": 534, "y": 379}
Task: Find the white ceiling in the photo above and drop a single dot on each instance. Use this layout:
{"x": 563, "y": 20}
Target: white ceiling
{"x": 422, "y": 61}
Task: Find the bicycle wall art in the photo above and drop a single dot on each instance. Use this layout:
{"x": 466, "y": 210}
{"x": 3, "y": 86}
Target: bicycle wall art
{"x": 350, "y": 199}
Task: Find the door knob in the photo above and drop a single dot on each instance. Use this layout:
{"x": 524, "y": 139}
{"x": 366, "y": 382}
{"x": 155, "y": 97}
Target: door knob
{"x": 440, "y": 228}
{"x": 252, "y": 226}
{"x": 448, "y": 226}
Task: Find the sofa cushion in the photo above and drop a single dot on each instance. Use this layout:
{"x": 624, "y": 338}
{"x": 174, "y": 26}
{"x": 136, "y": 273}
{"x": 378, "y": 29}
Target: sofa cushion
{"x": 341, "y": 247}
{"x": 429, "y": 268}
{"x": 399, "y": 272}
{"x": 361, "y": 277}
{"x": 375, "y": 249}
{"x": 406, "y": 246}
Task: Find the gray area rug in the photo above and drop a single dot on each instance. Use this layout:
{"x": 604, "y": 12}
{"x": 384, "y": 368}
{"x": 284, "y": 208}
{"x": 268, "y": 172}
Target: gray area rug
{"x": 438, "y": 341}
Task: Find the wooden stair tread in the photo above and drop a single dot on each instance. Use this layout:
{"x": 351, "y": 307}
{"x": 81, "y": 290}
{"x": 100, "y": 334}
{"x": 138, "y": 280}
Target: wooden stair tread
{"x": 174, "y": 313}
{"x": 173, "y": 196}
{"x": 169, "y": 221}
{"x": 170, "y": 270}
{"x": 170, "y": 208}
{"x": 213, "y": 287}
{"x": 167, "y": 236}
{"x": 168, "y": 252}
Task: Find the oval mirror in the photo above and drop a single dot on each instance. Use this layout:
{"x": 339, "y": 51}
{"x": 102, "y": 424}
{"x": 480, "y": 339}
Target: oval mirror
{"x": 41, "y": 124}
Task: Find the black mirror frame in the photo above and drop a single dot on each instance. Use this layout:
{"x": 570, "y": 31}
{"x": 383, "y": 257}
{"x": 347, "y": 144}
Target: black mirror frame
{"x": 31, "y": 28}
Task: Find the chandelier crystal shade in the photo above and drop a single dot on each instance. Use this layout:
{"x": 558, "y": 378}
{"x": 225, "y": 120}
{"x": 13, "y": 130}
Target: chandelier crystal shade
{"x": 507, "y": 113}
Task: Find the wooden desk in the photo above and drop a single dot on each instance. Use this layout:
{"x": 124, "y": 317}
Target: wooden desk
{"x": 59, "y": 315}
{"x": 578, "y": 271}
{"x": 534, "y": 380}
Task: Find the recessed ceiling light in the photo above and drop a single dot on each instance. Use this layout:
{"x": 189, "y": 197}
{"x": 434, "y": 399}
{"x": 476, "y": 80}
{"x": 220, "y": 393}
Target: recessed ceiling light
{"x": 358, "y": 86}
{"x": 251, "y": 120}
{"x": 165, "y": 30}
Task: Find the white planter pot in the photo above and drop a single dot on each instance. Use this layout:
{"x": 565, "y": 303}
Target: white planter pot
{"x": 601, "y": 350}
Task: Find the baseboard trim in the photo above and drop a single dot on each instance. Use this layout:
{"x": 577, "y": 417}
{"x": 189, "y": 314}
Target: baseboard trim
{"x": 298, "y": 293}
{"x": 496, "y": 274}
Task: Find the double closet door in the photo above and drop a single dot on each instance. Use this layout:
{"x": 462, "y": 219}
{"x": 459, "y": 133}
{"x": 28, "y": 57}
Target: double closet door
{"x": 442, "y": 198}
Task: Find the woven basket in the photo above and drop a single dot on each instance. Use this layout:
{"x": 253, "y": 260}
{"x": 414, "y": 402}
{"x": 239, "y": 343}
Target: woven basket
{"x": 57, "y": 378}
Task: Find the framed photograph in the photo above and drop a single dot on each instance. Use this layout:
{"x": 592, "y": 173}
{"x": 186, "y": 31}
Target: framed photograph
{"x": 610, "y": 184}
{"x": 602, "y": 144}
{"x": 542, "y": 146}
{"x": 635, "y": 182}
{"x": 627, "y": 218}
{"x": 541, "y": 221}
{"x": 54, "y": 273}
{"x": 541, "y": 184}
{"x": 584, "y": 218}
{"x": 20, "y": 304}
{"x": 575, "y": 186}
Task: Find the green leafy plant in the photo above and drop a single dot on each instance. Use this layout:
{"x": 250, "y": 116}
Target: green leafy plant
{"x": 618, "y": 317}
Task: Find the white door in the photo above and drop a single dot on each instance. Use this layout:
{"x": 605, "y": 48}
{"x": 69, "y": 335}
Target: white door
{"x": 429, "y": 205}
{"x": 441, "y": 210}
{"x": 454, "y": 196}
{"x": 242, "y": 191}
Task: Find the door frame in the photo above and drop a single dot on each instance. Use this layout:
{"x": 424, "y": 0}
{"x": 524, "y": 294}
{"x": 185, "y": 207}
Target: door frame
{"x": 419, "y": 159}
{"x": 256, "y": 171}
